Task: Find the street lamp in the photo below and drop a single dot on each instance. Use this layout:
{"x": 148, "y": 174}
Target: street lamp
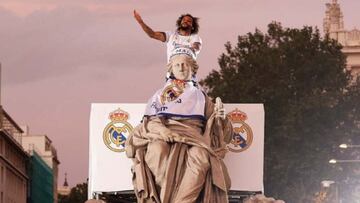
{"x": 327, "y": 183}
{"x": 345, "y": 146}
{"x": 334, "y": 161}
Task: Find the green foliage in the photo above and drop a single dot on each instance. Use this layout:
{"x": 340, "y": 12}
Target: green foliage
{"x": 302, "y": 80}
{"x": 78, "y": 194}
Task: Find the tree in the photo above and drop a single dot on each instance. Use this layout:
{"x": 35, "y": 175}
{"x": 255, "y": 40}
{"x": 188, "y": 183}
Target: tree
{"x": 348, "y": 175}
{"x": 78, "y": 194}
{"x": 302, "y": 80}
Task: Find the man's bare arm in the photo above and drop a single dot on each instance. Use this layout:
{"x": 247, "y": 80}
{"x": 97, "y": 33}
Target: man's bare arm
{"x": 155, "y": 35}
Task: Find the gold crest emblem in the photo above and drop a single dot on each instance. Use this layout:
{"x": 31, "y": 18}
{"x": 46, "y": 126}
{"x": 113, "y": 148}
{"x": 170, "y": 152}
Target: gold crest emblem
{"x": 117, "y": 131}
{"x": 172, "y": 91}
{"x": 243, "y": 136}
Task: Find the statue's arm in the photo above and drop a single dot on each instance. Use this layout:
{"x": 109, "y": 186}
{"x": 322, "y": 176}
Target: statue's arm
{"x": 150, "y": 32}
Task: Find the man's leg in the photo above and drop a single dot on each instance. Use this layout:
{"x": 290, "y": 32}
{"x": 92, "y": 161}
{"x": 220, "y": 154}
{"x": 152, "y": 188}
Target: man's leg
{"x": 197, "y": 165}
{"x": 156, "y": 159}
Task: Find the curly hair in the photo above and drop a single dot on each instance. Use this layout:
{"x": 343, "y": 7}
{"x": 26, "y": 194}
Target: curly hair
{"x": 195, "y": 24}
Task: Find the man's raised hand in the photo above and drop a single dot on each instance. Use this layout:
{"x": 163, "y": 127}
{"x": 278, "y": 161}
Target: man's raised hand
{"x": 137, "y": 17}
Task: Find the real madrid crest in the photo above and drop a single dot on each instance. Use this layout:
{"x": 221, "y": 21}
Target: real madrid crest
{"x": 243, "y": 136}
{"x": 172, "y": 91}
{"x": 116, "y": 132}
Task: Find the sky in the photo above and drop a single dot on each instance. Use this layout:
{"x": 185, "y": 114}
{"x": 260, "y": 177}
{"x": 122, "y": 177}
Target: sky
{"x": 58, "y": 57}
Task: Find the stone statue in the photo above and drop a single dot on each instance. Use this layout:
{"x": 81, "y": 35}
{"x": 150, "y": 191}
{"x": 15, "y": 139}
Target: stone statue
{"x": 262, "y": 199}
{"x": 179, "y": 147}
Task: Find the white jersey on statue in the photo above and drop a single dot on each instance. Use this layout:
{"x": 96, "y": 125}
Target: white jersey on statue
{"x": 174, "y": 41}
{"x": 177, "y": 99}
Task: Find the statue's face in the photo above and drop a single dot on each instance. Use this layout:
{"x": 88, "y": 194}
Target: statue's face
{"x": 181, "y": 69}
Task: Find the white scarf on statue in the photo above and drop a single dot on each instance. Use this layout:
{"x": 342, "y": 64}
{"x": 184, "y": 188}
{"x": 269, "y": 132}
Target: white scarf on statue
{"x": 181, "y": 99}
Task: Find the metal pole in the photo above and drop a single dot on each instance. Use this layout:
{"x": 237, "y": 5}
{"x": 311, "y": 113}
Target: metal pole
{"x": 348, "y": 161}
{"x": 337, "y": 192}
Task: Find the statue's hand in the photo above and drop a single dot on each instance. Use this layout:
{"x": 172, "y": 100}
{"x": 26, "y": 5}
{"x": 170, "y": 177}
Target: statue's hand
{"x": 137, "y": 17}
{"x": 219, "y": 108}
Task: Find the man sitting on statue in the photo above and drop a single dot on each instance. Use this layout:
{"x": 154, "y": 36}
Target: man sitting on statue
{"x": 178, "y": 148}
{"x": 186, "y": 34}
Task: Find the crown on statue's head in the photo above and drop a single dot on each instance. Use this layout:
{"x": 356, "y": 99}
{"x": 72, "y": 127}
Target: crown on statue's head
{"x": 183, "y": 50}
{"x": 237, "y": 115}
{"x": 118, "y": 115}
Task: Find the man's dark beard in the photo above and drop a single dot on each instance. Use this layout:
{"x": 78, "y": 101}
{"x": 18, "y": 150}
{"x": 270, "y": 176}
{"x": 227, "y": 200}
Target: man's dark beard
{"x": 185, "y": 28}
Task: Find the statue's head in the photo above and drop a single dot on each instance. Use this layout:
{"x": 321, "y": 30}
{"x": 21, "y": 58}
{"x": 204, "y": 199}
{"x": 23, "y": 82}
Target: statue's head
{"x": 182, "y": 67}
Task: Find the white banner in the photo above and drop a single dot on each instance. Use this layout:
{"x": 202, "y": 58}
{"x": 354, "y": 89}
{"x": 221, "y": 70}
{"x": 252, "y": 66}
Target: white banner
{"x": 110, "y": 124}
{"x": 245, "y": 162}
{"x": 109, "y": 168}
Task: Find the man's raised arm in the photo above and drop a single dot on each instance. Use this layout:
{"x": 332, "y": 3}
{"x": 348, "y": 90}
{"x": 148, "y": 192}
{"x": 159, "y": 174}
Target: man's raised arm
{"x": 156, "y": 35}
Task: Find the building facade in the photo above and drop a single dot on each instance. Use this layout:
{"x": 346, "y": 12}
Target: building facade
{"x": 41, "y": 180}
{"x": 349, "y": 39}
{"x": 42, "y": 146}
{"x": 13, "y": 162}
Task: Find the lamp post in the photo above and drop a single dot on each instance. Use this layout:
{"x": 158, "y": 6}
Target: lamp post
{"x": 345, "y": 161}
{"x": 334, "y": 161}
{"x": 345, "y": 146}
